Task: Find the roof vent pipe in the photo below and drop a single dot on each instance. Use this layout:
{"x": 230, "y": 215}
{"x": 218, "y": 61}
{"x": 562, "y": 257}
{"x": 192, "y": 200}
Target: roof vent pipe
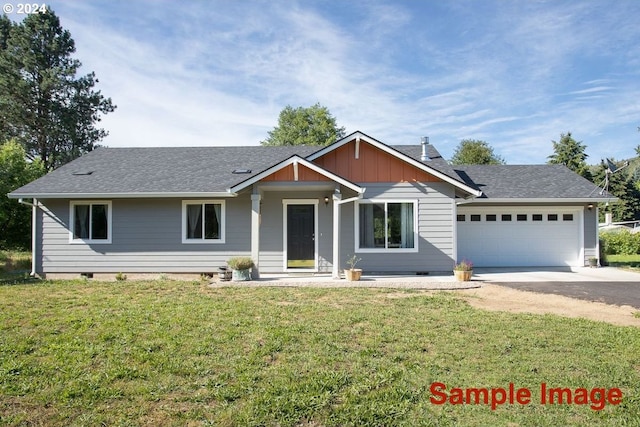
{"x": 424, "y": 141}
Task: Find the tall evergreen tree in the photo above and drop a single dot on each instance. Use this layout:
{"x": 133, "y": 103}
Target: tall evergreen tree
{"x": 43, "y": 104}
{"x": 475, "y": 152}
{"x": 571, "y": 153}
{"x": 305, "y": 126}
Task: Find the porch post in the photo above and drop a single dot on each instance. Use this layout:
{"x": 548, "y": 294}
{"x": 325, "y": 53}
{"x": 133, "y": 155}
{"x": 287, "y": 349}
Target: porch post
{"x": 255, "y": 234}
{"x": 335, "y": 273}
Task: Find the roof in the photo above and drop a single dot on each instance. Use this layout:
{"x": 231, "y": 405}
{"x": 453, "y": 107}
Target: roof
{"x": 158, "y": 171}
{"x": 528, "y": 182}
{"x": 209, "y": 172}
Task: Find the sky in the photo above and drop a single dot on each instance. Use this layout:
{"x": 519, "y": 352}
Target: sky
{"x": 516, "y": 74}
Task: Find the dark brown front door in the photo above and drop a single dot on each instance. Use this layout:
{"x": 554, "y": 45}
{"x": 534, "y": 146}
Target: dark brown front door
{"x": 301, "y": 236}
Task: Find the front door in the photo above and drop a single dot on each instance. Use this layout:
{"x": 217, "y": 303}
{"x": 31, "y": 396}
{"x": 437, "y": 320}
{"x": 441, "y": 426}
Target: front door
{"x": 301, "y": 229}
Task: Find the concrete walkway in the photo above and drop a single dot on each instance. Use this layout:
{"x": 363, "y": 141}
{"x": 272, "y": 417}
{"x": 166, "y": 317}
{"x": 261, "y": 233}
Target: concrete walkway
{"x": 446, "y": 282}
{"x": 555, "y": 274}
{"x": 436, "y": 282}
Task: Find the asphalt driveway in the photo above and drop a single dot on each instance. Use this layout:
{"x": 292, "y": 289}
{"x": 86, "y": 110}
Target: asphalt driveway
{"x": 608, "y": 285}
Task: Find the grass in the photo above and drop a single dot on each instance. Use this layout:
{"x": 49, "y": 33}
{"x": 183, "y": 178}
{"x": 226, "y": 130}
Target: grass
{"x": 626, "y": 261}
{"x": 175, "y": 353}
{"x": 15, "y": 267}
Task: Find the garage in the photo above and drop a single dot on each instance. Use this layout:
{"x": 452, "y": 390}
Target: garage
{"x": 520, "y": 236}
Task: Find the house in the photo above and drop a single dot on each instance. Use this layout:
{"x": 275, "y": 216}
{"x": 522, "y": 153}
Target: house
{"x": 401, "y": 209}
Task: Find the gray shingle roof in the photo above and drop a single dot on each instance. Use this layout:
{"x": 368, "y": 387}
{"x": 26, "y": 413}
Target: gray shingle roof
{"x": 160, "y": 170}
{"x": 184, "y": 170}
{"x": 528, "y": 182}
{"x": 436, "y": 161}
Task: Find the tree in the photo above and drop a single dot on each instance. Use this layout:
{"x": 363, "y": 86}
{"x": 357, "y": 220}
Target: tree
{"x": 50, "y": 111}
{"x": 305, "y": 126}
{"x": 622, "y": 186}
{"x": 570, "y": 153}
{"x": 15, "y": 171}
{"x": 475, "y": 152}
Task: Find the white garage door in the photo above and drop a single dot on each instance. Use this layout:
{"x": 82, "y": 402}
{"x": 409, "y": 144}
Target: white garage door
{"x": 520, "y": 237}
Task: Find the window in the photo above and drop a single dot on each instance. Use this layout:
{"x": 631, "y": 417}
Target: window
{"x": 536, "y": 217}
{"x": 491, "y": 217}
{"x": 203, "y": 222}
{"x": 552, "y": 217}
{"x": 506, "y": 217}
{"x": 461, "y": 217}
{"x": 521, "y": 217}
{"x": 90, "y": 222}
{"x": 386, "y": 226}
{"x": 567, "y": 217}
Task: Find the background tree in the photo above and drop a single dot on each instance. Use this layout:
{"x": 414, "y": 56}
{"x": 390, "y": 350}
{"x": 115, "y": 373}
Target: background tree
{"x": 50, "y": 111}
{"x": 570, "y": 153}
{"x": 15, "y": 219}
{"x": 475, "y": 152}
{"x": 305, "y": 126}
{"x": 621, "y": 185}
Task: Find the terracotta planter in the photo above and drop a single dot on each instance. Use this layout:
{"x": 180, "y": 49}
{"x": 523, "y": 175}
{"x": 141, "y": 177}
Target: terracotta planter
{"x": 463, "y": 276}
{"x": 353, "y": 275}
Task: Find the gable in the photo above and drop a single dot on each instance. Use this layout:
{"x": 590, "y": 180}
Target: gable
{"x": 288, "y": 174}
{"x": 360, "y": 161}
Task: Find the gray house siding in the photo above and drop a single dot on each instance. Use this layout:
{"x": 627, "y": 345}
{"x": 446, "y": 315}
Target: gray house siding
{"x": 146, "y": 238}
{"x": 590, "y": 234}
{"x": 435, "y": 230}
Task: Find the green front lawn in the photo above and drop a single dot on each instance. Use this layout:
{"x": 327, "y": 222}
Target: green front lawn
{"x": 175, "y": 353}
{"x": 627, "y": 261}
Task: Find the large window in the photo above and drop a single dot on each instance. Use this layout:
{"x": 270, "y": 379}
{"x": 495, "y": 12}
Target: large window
{"x": 90, "y": 222}
{"x": 203, "y": 222}
{"x": 386, "y": 226}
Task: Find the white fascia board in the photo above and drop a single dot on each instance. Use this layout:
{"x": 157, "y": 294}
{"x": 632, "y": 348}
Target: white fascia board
{"x": 388, "y": 149}
{"x": 578, "y": 200}
{"x": 153, "y": 195}
{"x": 291, "y": 160}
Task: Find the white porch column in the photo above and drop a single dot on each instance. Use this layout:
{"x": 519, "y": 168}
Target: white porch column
{"x": 255, "y": 234}
{"x": 335, "y": 273}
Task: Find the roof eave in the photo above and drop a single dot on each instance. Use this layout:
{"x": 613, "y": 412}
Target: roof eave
{"x": 126, "y": 195}
{"x": 510, "y": 200}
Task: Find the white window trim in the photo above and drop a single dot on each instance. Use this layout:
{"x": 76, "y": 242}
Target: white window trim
{"x": 222, "y": 220}
{"x": 416, "y": 235}
{"x": 72, "y": 221}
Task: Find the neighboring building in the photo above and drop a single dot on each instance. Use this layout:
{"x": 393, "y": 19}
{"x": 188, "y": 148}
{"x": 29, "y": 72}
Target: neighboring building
{"x": 401, "y": 209}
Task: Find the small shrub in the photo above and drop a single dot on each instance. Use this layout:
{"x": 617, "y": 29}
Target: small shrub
{"x": 464, "y": 265}
{"x": 240, "y": 263}
{"x": 121, "y": 277}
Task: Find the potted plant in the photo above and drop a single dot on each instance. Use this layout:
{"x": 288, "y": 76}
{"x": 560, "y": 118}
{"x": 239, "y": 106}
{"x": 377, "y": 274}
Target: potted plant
{"x": 593, "y": 262}
{"x": 463, "y": 270}
{"x": 353, "y": 274}
{"x": 241, "y": 268}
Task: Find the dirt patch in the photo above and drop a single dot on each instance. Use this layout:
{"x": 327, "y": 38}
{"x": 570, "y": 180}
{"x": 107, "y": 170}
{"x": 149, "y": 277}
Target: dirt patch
{"x": 500, "y": 298}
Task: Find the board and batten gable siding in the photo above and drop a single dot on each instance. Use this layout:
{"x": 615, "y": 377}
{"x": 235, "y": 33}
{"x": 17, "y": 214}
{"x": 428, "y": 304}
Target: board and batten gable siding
{"x": 436, "y": 210}
{"x": 272, "y": 233}
{"x": 146, "y": 238}
{"x": 371, "y": 164}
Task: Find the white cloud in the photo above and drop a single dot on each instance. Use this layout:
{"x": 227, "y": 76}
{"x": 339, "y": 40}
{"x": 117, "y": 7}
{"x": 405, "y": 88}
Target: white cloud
{"x": 513, "y": 74}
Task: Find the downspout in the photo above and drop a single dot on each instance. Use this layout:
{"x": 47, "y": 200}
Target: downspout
{"x": 34, "y": 223}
